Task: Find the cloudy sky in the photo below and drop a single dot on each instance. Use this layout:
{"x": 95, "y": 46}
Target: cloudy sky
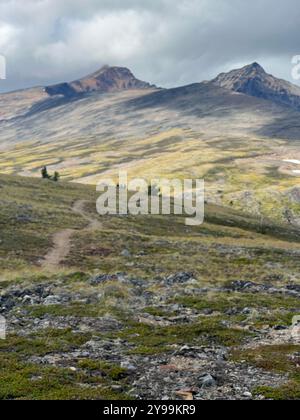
{"x": 166, "y": 42}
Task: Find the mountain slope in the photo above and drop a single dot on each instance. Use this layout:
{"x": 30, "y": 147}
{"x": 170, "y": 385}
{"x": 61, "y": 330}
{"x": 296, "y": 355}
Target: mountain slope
{"x": 113, "y": 101}
{"x": 18, "y": 103}
{"x": 107, "y": 80}
{"x": 254, "y": 81}
{"x": 186, "y": 300}
{"x": 135, "y": 112}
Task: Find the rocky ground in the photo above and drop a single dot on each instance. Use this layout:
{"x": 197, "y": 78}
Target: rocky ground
{"x": 168, "y": 345}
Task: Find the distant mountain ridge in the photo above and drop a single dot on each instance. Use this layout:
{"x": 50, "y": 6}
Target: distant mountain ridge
{"x": 107, "y": 79}
{"x": 252, "y": 80}
{"x": 112, "y": 102}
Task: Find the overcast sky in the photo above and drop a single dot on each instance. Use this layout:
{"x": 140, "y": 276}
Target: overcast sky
{"x": 166, "y": 42}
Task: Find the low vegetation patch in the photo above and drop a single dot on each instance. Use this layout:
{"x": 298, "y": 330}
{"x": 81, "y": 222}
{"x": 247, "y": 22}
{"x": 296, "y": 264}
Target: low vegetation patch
{"x": 284, "y": 359}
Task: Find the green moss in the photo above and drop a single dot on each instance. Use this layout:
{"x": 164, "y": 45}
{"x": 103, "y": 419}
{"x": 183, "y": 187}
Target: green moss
{"x": 19, "y": 380}
{"x": 78, "y": 310}
{"x": 224, "y": 301}
{"x": 44, "y": 342}
{"x": 112, "y": 371}
{"x": 288, "y": 392}
{"x": 274, "y": 358}
{"x": 156, "y": 339}
{"x": 22, "y": 380}
{"x": 279, "y": 359}
{"x": 76, "y": 277}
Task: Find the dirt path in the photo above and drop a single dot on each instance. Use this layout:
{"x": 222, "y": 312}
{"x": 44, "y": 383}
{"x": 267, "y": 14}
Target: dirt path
{"x": 60, "y": 250}
{"x": 62, "y": 239}
{"x": 78, "y": 208}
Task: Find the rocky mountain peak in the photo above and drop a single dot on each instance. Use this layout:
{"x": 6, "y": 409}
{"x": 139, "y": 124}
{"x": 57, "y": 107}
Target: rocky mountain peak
{"x": 254, "y": 81}
{"x": 235, "y": 79}
{"x": 107, "y": 79}
{"x": 255, "y": 67}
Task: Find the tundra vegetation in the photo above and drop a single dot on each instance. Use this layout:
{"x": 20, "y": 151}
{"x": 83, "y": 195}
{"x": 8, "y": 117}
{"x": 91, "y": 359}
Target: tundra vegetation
{"x": 143, "y": 306}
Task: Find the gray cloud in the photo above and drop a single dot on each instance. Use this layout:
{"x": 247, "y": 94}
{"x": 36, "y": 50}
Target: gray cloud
{"x": 166, "y": 42}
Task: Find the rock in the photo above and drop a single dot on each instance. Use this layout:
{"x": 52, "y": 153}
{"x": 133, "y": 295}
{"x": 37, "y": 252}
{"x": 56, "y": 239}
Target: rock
{"x": 187, "y": 351}
{"x": 207, "y": 311}
{"x": 102, "y": 278}
{"x": 128, "y": 366}
{"x": 125, "y": 253}
{"x": 232, "y": 312}
{"x": 207, "y": 381}
{"x": 28, "y": 300}
{"x": 247, "y": 395}
{"x": 179, "y": 278}
{"x": 246, "y": 311}
{"x": 294, "y": 287}
{"x": 240, "y": 285}
{"x": 36, "y": 378}
{"x": 6, "y": 303}
{"x": 280, "y": 328}
{"x": 186, "y": 395}
{"x": 52, "y": 300}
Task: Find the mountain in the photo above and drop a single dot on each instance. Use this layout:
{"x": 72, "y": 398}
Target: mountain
{"x": 254, "y": 81}
{"x": 107, "y": 79}
{"x": 244, "y": 144}
{"x": 112, "y": 103}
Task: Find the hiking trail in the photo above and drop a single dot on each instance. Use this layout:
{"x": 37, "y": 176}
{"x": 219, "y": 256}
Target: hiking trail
{"x": 62, "y": 239}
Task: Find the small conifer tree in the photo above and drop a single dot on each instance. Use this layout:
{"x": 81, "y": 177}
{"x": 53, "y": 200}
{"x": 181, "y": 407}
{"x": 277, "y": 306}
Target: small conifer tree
{"x": 56, "y": 176}
{"x": 45, "y": 174}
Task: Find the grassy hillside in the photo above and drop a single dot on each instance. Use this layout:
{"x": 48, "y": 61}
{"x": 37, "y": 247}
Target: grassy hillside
{"x": 247, "y": 173}
{"x": 141, "y": 307}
